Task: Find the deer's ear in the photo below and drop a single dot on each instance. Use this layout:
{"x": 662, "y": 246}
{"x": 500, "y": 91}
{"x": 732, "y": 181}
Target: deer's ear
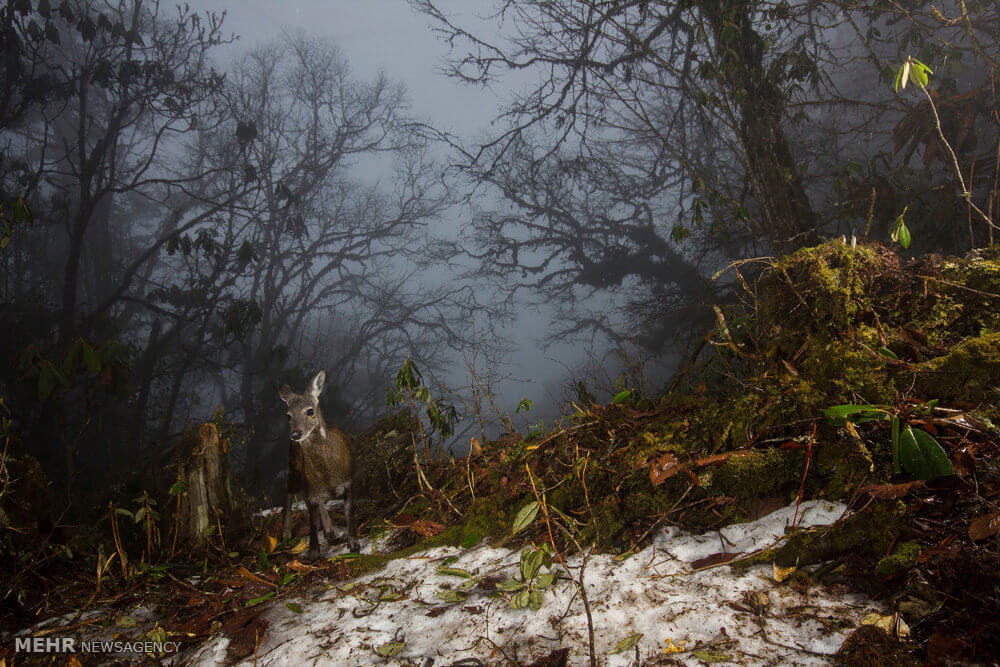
{"x": 316, "y": 384}
{"x": 285, "y": 392}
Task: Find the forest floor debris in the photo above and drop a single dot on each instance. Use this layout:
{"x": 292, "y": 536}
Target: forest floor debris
{"x": 846, "y": 376}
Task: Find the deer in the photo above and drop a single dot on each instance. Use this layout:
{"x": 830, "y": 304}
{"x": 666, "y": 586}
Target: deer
{"x": 320, "y": 465}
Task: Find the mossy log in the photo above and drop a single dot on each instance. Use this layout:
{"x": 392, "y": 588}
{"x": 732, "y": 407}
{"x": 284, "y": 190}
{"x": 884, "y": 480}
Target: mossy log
{"x": 205, "y": 488}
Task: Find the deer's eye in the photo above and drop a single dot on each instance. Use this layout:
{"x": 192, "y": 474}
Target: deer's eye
{"x": 289, "y": 416}
{"x": 310, "y": 412}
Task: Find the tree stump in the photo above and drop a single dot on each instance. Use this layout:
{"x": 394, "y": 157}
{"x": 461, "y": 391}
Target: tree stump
{"x": 205, "y": 489}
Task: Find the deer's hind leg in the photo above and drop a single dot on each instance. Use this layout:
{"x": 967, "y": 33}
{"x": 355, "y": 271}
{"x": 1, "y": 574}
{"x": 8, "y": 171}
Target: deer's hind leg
{"x": 314, "y": 525}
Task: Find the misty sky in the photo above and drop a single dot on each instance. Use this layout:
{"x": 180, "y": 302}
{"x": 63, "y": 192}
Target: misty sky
{"x": 389, "y": 36}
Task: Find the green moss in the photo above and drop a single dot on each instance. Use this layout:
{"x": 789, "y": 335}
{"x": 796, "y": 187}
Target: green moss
{"x": 606, "y": 522}
{"x": 903, "y": 557}
{"x": 816, "y": 289}
{"x": 485, "y": 519}
{"x": 378, "y": 528}
{"x": 968, "y": 371}
{"x": 567, "y": 494}
{"x": 754, "y": 474}
{"x": 957, "y": 302}
{"x": 847, "y": 370}
{"x": 869, "y": 533}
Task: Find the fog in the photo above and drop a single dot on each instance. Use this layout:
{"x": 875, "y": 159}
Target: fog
{"x": 528, "y": 199}
{"x": 391, "y": 37}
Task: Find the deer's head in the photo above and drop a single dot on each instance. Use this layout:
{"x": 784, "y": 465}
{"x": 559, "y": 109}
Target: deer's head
{"x": 303, "y": 413}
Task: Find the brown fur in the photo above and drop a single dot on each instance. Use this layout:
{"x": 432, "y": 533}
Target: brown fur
{"x": 320, "y": 465}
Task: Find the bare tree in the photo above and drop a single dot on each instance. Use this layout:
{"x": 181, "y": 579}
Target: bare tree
{"x": 656, "y": 140}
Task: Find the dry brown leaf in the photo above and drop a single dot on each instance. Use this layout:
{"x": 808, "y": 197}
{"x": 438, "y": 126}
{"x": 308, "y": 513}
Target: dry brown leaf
{"x": 893, "y": 624}
{"x": 403, "y": 519}
{"x": 475, "y": 449}
{"x": 270, "y": 543}
{"x": 663, "y": 468}
{"x": 299, "y": 566}
{"x": 984, "y": 526}
{"x": 780, "y": 573}
{"x": 245, "y": 632}
{"x": 247, "y": 574}
{"x": 889, "y": 491}
{"x": 299, "y": 548}
{"x": 426, "y": 527}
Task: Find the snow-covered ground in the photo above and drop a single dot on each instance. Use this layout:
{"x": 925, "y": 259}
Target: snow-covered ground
{"x": 412, "y": 610}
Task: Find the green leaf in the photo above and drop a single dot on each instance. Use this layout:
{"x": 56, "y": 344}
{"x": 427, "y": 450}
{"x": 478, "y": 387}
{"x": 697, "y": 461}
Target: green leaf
{"x": 46, "y": 381}
{"x": 525, "y": 404}
{"x": 904, "y": 76}
{"x": 90, "y": 357}
{"x": 124, "y": 512}
{"x": 708, "y": 655}
{"x": 626, "y": 644}
{"x": 887, "y": 353}
{"x": 455, "y": 572}
{"x": 470, "y": 540}
{"x": 919, "y": 72}
{"x": 531, "y": 562}
{"x": 510, "y": 586}
{"x": 901, "y": 233}
{"x": 535, "y": 599}
{"x": 262, "y": 598}
{"x": 520, "y": 600}
{"x": 449, "y": 595}
{"x": 545, "y": 580}
{"x": 855, "y": 413}
{"x": 909, "y": 454}
{"x": 176, "y": 487}
{"x": 525, "y": 516}
{"x": 293, "y": 607}
{"x": 621, "y": 397}
{"x": 391, "y": 649}
{"x": 922, "y": 456}
{"x": 938, "y": 463}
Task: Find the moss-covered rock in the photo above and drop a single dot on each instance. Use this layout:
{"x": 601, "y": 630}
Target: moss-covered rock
{"x": 902, "y": 558}
{"x": 970, "y": 370}
{"x": 818, "y": 289}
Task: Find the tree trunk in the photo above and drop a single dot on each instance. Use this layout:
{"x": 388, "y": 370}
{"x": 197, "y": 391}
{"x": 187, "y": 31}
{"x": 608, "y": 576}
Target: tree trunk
{"x": 788, "y": 218}
{"x": 206, "y": 494}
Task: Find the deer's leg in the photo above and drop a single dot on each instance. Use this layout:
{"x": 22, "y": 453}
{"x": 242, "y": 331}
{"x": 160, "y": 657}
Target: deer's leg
{"x": 314, "y": 523}
{"x": 352, "y": 540}
{"x": 286, "y": 515}
{"x": 324, "y": 517}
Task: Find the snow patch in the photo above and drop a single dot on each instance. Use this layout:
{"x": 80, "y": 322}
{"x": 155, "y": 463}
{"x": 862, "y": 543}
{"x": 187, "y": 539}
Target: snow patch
{"x": 745, "y": 616}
